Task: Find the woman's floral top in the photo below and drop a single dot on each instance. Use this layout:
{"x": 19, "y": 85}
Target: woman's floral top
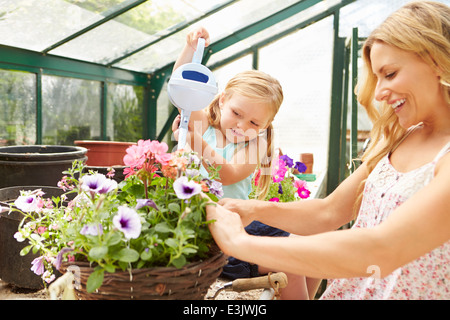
{"x": 427, "y": 277}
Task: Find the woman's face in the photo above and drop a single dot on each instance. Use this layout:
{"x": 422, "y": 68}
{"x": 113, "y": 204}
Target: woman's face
{"x": 242, "y": 118}
{"x": 408, "y": 84}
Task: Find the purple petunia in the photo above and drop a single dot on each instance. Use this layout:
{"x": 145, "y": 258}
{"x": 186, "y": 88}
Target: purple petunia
{"x": 300, "y": 166}
{"x": 185, "y": 189}
{"x": 145, "y": 203}
{"x": 98, "y": 183}
{"x": 215, "y": 187}
{"x": 280, "y": 188}
{"x": 289, "y": 162}
{"x": 27, "y": 203}
{"x": 128, "y": 221}
{"x": 92, "y": 230}
{"x": 59, "y": 257}
{"x": 38, "y": 265}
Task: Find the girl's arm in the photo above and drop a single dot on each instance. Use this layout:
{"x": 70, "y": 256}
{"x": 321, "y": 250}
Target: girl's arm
{"x": 191, "y": 45}
{"x": 416, "y": 227}
{"x": 198, "y": 119}
{"x": 232, "y": 171}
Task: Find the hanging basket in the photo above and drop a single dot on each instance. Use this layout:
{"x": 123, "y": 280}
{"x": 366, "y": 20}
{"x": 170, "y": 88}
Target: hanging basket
{"x": 188, "y": 283}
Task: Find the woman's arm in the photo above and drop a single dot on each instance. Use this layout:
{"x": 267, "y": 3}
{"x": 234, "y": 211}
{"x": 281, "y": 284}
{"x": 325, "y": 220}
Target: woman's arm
{"x": 413, "y": 229}
{"x": 304, "y": 217}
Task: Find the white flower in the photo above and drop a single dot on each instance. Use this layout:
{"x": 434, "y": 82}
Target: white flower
{"x": 27, "y": 203}
{"x": 128, "y": 221}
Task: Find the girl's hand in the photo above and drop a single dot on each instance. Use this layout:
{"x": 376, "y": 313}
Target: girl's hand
{"x": 176, "y": 130}
{"x": 192, "y": 37}
{"x": 175, "y": 127}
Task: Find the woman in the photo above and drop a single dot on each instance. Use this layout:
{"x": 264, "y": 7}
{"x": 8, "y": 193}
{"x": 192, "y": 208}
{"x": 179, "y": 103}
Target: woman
{"x": 399, "y": 247}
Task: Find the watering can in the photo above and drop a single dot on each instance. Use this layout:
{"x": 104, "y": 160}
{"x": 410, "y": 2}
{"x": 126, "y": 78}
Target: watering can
{"x": 191, "y": 87}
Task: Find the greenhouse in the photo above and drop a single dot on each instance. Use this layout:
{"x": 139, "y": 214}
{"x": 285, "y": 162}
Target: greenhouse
{"x": 98, "y": 70}
{"x": 108, "y": 62}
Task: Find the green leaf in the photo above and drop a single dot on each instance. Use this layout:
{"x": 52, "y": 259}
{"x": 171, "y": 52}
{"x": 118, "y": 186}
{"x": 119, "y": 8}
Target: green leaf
{"x": 95, "y": 280}
{"x": 171, "y": 243}
{"x": 128, "y": 255}
{"x": 115, "y": 239}
{"x": 174, "y": 207}
{"x": 146, "y": 255}
{"x": 98, "y": 253}
{"x": 187, "y": 250}
{"x": 109, "y": 268}
{"x": 25, "y": 250}
{"x": 179, "y": 262}
{"x": 162, "y": 227}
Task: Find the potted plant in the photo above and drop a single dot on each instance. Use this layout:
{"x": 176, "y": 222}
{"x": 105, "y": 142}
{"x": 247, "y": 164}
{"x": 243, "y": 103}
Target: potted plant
{"x": 285, "y": 186}
{"x": 131, "y": 239}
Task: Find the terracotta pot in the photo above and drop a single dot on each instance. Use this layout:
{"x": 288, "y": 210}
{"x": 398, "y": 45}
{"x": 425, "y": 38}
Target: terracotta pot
{"x": 308, "y": 160}
{"x": 104, "y": 153}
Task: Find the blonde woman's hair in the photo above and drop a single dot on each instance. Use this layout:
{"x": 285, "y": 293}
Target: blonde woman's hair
{"x": 263, "y": 88}
{"x": 423, "y": 28}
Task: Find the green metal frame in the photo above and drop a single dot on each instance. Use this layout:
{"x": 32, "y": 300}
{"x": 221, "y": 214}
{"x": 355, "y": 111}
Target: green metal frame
{"x": 46, "y": 64}
{"x": 346, "y": 59}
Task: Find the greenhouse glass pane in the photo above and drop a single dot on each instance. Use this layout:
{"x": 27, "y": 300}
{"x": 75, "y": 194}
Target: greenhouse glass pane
{"x": 38, "y": 24}
{"x": 219, "y": 25}
{"x": 302, "y": 64}
{"x": 17, "y": 108}
{"x": 273, "y": 30}
{"x": 132, "y": 30}
{"x": 125, "y": 109}
{"x": 70, "y": 110}
{"x": 368, "y": 14}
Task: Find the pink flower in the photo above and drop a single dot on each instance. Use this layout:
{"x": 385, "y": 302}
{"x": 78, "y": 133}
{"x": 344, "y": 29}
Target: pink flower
{"x": 163, "y": 158}
{"x": 274, "y": 199}
{"x": 258, "y": 175}
{"x": 157, "y": 147}
{"x": 298, "y": 184}
{"x": 303, "y": 193}
{"x": 279, "y": 170}
{"x": 135, "y": 156}
{"x": 41, "y": 230}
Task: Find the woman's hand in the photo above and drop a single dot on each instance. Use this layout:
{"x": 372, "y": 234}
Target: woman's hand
{"x": 245, "y": 208}
{"x": 227, "y": 228}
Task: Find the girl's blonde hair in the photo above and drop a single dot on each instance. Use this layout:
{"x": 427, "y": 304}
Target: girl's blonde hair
{"x": 423, "y": 28}
{"x": 261, "y": 87}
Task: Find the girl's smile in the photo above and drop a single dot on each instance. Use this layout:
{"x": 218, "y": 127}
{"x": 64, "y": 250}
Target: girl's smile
{"x": 242, "y": 118}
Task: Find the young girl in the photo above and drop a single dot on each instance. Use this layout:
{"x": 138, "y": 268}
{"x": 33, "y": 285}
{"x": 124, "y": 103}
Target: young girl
{"x": 235, "y": 132}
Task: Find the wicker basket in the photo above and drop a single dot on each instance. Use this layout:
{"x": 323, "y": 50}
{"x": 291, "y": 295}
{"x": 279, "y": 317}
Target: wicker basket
{"x": 188, "y": 283}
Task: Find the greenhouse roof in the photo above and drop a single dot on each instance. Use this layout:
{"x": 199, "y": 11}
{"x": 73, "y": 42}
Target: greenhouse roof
{"x": 147, "y": 35}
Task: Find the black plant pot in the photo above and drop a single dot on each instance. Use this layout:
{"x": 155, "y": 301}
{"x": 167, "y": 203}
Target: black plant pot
{"x": 36, "y": 164}
{"x": 14, "y": 268}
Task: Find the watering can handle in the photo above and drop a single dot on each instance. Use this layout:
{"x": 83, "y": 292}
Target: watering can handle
{"x": 198, "y": 54}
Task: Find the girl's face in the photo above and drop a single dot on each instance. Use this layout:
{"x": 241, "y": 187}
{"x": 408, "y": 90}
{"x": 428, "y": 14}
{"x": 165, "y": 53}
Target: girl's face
{"x": 242, "y": 118}
{"x": 408, "y": 84}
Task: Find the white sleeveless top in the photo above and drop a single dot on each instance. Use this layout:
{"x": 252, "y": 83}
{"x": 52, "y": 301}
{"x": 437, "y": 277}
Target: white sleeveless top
{"x": 427, "y": 277}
